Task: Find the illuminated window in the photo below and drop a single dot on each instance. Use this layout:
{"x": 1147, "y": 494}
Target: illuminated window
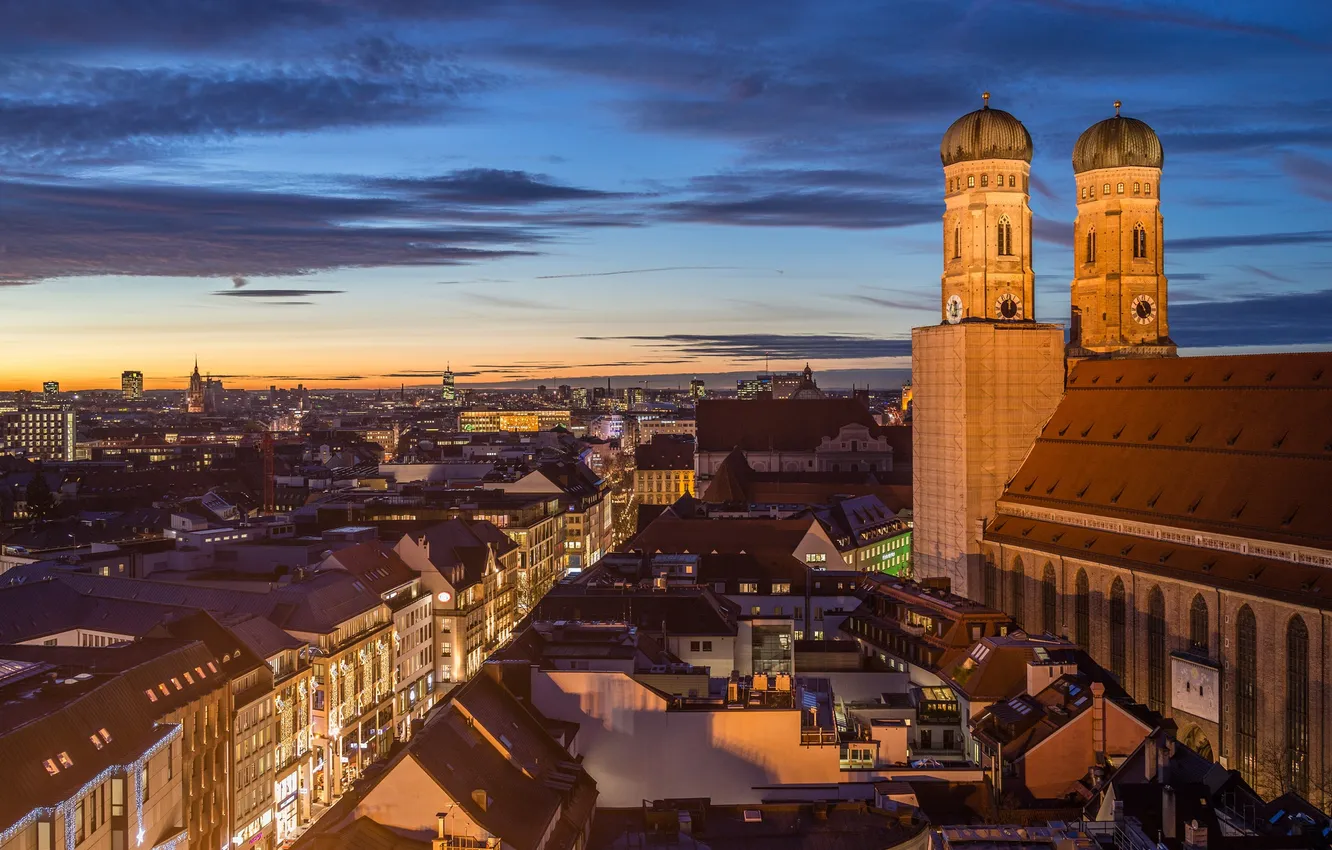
{"x": 97, "y": 742}
{"x": 985, "y": 180}
{"x": 1120, "y": 188}
{"x": 176, "y": 682}
{"x": 211, "y": 668}
{"x": 1137, "y": 188}
{"x": 65, "y": 760}
{"x": 971, "y": 181}
{"x": 189, "y": 680}
{"x": 1012, "y": 181}
{"x": 200, "y": 671}
{"x": 50, "y": 766}
{"x": 106, "y": 736}
{"x": 151, "y": 696}
{"x": 1105, "y": 190}
{"x": 1146, "y": 188}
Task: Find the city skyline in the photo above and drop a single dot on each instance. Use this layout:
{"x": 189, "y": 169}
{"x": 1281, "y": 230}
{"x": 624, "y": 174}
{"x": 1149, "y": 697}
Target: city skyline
{"x": 613, "y": 192}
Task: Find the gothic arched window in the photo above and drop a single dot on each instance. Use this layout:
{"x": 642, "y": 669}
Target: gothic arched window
{"x": 1199, "y": 640}
{"x": 1082, "y": 611}
{"x": 991, "y": 583}
{"x": 957, "y": 241}
{"x": 1156, "y": 650}
{"x": 1012, "y": 181}
{"x": 1139, "y": 242}
{"x": 1118, "y": 630}
{"x": 1297, "y": 705}
{"x": 985, "y": 179}
{"x": 1091, "y": 245}
{"x": 1005, "y": 236}
{"x": 1017, "y": 591}
{"x": 1049, "y": 600}
{"x": 971, "y": 181}
{"x": 1146, "y": 188}
{"x": 1246, "y": 695}
{"x": 1137, "y": 188}
{"x": 1120, "y": 188}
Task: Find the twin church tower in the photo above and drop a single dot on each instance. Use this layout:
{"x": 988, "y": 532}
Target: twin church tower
{"x": 1119, "y": 284}
{"x": 988, "y": 377}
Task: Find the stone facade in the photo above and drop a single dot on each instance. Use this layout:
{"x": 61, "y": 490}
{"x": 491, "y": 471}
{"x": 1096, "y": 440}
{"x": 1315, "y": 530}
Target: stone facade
{"x": 987, "y": 240}
{"x": 1119, "y": 285}
{"x": 1027, "y": 566}
{"x": 982, "y": 392}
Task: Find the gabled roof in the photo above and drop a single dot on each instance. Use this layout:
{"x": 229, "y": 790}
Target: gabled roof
{"x": 665, "y": 452}
{"x": 56, "y": 717}
{"x": 460, "y": 549}
{"x": 781, "y": 425}
{"x": 671, "y": 534}
{"x": 678, "y": 611}
{"x": 735, "y": 482}
{"x": 1238, "y": 445}
{"x": 376, "y": 565}
{"x": 485, "y": 742}
{"x": 996, "y": 667}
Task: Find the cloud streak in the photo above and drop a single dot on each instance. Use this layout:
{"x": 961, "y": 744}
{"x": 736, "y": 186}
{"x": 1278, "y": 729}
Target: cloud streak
{"x": 776, "y": 346}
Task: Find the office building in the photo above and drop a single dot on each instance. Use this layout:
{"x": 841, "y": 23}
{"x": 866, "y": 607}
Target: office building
{"x": 131, "y": 385}
{"x": 523, "y": 421}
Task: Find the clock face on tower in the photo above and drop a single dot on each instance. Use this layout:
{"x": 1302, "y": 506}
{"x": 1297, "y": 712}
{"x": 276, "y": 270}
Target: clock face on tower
{"x": 1144, "y": 309}
{"x": 1008, "y": 306}
{"x": 953, "y": 309}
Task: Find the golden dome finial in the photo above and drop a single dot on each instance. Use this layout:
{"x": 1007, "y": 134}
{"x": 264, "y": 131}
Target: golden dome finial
{"x": 985, "y": 96}
{"x": 1117, "y": 105}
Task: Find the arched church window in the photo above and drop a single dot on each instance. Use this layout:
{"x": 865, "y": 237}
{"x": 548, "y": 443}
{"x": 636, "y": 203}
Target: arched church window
{"x": 1297, "y": 705}
{"x": 1048, "y": 600}
{"x": 1082, "y": 610}
{"x": 957, "y": 241}
{"x": 1005, "y": 236}
{"x": 1091, "y": 245}
{"x": 1012, "y": 181}
{"x": 1084, "y": 193}
{"x": 1118, "y": 631}
{"x": 1139, "y": 242}
{"x": 1198, "y": 635}
{"x": 971, "y": 181}
{"x": 1246, "y": 695}
{"x": 1120, "y": 188}
{"x": 1105, "y": 190}
{"x": 985, "y": 179}
{"x": 1137, "y": 188}
{"x": 1017, "y": 591}
{"x": 1156, "y": 650}
{"x": 991, "y": 578}
{"x": 1146, "y": 188}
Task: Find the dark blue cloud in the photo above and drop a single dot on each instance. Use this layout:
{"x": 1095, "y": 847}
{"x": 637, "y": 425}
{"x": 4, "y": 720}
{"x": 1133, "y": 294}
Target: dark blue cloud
{"x": 1265, "y": 320}
{"x": 742, "y": 346}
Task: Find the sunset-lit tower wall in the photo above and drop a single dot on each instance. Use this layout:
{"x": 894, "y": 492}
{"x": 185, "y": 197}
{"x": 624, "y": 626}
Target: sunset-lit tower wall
{"x": 1119, "y": 285}
{"x": 988, "y": 376}
{"x": 987, "y": 217}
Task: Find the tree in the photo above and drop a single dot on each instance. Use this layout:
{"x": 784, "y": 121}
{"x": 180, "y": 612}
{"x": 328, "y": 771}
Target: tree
{"x": 40, "y": 500}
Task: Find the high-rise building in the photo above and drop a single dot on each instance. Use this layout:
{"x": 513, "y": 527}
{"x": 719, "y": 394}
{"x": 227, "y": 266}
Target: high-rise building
{"x": 39, "y": 434}
{"x": 131, "y": 385}
{"x": 448, "y": 392}
{"x": 697, "y": 390}
{"x": 1119, "y": 283}
{"x": 987, "y": 377}
{"x": 752, "y": 388}
{"x": 194, "y": 397}
{"x": 51, "y": 389}
{"x": 579, "y": 397}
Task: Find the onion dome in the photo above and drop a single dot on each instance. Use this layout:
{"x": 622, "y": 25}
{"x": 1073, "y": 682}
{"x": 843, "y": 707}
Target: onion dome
{"x": 1117, "y": 142}
{"x": 985, "y": 134}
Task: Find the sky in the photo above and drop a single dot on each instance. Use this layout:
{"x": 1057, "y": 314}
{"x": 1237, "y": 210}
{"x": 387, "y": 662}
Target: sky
{"x": 364, "y": 192}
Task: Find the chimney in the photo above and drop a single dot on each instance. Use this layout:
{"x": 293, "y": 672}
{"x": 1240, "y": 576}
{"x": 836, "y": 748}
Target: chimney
{"x": 481, "y": 798}
{"x": 1168, "y": 811}
{"x": 1195, "y": 837}
{"x": 1098, "y": 720}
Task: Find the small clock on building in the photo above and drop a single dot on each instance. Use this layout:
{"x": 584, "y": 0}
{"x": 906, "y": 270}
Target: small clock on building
{"x": 1008, "y": 306}
{"x": 1144, "y": 309}
{"x": 953, "y": 309}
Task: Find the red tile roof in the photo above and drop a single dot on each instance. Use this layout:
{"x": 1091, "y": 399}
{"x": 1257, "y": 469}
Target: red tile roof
{"x": 783, "y": 425}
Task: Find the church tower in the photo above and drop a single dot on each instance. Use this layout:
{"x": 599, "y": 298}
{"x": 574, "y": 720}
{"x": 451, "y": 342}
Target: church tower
{"x": 194, "y": 396}
{"x": 987, "y": 218}
{"x": 988, "y": 376}
{"x": 1119, "y": 283}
